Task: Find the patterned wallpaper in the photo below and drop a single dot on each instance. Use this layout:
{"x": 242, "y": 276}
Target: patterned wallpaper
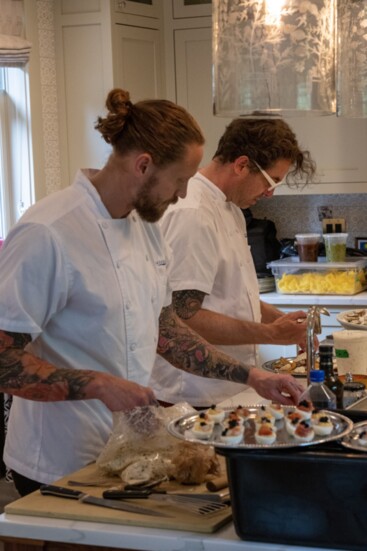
{"x": 299, "y": 213}
{"x": 51, "y": 145}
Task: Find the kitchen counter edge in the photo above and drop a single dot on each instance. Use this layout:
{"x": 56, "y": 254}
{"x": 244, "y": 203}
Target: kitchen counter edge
{"x": 131, "y": 537}
{"x": 359, "y": 300}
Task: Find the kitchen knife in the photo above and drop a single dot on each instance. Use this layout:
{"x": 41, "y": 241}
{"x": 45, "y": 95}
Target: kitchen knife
{"x": 59, "y": 491}
{"x": 136, "y": 493}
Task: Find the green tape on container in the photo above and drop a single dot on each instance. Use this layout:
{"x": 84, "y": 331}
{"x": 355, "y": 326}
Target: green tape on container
{"x": 341, "y": 353}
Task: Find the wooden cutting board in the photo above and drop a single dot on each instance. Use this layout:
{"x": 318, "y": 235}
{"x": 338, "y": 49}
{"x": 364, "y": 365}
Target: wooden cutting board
{"x": 39, "y": 505}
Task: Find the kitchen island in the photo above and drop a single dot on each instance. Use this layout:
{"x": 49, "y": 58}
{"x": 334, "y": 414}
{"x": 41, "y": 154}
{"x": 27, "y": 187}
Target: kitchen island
{"x": 25, "y": 533}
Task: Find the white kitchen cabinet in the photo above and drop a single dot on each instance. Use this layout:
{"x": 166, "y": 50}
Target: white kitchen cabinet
{"x": 101, "y": 45}
{"x": 162, "y": 48}
{"x": 191, "y": 8}
{"x": 193, "y": 80}
{"x": 337, "y": 145}
{"x": 137, "y": 62}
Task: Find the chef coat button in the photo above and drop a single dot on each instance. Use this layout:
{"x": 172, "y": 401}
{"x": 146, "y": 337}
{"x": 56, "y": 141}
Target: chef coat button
{"x": 147, "y": 258}
{"x": 118, "y": 265}
{"x": 134, "y": 219}
{"x": 132, "y": 347}
{"x": 104, "y": 225}
{"x": 127, "y": 306}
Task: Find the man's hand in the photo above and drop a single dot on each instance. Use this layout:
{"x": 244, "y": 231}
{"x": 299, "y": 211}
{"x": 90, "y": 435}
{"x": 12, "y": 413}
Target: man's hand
{"x": 290, "y": 328}
{"x": 283, "y": 389}
{"x": 120, "y": 394}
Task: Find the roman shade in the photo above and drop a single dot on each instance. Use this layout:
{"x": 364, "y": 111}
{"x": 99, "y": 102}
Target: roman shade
{"x": 14, "y": 48}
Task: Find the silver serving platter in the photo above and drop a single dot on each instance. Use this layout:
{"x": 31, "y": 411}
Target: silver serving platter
{"x": 351, "y": 439}
{"x": 270, "y": 366}
{"x": 181, "y": 428}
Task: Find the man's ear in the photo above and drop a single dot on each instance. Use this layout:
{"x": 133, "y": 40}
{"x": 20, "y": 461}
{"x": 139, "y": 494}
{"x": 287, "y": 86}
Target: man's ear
{"x": 143, "y": 162}
{"x": 240, "y": 164}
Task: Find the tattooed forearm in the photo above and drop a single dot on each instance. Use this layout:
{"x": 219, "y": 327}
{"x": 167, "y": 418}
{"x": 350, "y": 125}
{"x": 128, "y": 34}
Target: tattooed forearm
{"x": 186, "y": 350}
{"x": 27, "y": 376}
{"x": 187, "y": 303}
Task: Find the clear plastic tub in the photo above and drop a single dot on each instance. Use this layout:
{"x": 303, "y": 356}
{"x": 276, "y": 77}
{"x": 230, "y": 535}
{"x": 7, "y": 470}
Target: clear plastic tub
{"x": 293, "y": 277}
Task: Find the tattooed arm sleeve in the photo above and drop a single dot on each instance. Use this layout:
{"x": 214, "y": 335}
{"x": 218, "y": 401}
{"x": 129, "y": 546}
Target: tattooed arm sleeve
{"x": 23, "y": 374}
{"x": 187, "y": 303}
{"x": 186, "y": 350}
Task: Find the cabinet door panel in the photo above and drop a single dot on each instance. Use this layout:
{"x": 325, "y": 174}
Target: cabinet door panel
{"x": 84, "y": 97}
{"x": 338, "y": 146}
{"x": 138, "y": 62}
{"x": 193, "y": 49}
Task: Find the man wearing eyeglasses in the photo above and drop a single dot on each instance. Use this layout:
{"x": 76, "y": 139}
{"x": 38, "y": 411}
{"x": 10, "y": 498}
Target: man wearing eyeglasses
{"x": 215, "y": 288}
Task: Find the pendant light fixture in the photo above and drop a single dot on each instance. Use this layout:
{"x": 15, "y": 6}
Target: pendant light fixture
{"x": 274, "y": 57}
{"x": 352, "y": 58}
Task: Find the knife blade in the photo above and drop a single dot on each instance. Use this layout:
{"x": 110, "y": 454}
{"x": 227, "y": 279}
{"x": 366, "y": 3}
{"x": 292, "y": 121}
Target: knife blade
{"x": 145, "y": 493}
{"x": 59, "y": 491}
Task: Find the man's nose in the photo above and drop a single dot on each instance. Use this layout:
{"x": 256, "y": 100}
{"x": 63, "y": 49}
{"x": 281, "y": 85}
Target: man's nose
{"x": 268, "y": 193}
{"x": 182, "y": 192}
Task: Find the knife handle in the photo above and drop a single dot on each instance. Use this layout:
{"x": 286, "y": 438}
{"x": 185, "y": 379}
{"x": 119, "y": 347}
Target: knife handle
{"x": 127, "y": 494}
{"x": 51, "y": 490}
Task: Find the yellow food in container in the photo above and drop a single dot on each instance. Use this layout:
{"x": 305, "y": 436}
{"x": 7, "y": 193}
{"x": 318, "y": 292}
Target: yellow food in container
{"x": 320, "y": 278}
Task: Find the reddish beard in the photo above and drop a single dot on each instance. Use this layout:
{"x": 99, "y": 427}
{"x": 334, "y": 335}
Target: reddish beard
{"x": 149, "y": 209}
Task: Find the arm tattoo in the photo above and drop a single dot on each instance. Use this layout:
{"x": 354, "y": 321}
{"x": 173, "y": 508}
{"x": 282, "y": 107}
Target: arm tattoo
{"x": 27, "y": 376}
{"x": 186, "y": 350}
{"x": 187, "y": 303}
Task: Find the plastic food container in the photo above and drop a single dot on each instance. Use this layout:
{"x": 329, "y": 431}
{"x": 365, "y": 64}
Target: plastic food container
{"x": 293, "y": 277}
{"x": 308, "y": 246}
{"x": 351, "y": 351}
{"x": 335, "y": 246}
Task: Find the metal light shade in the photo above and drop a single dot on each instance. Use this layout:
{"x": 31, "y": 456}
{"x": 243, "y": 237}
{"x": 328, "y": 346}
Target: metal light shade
{"x": 274, "y": 57}
{"x": 352, "y": 58}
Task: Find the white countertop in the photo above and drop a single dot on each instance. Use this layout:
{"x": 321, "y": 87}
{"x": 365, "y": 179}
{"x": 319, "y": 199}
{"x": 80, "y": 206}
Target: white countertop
{"x": 138, "y": 538}
{"x": 359, "y": 300}
{"x": 132, "y": 537}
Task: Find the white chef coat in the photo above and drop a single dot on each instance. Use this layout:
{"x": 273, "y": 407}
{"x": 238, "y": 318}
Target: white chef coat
{"x": 207, "y": 235}
{"x": 89, "y": 289}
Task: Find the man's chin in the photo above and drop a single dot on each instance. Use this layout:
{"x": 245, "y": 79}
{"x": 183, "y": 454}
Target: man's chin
{"x": 151, "y": 215}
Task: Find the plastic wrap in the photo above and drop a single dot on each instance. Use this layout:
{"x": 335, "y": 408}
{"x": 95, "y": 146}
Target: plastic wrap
{"x": 140, "y": 449}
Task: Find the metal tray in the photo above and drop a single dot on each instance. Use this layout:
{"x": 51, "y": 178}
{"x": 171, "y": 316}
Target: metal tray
{"x": 270, "y": 366}
{"x": 181, "y": 428}
{"x": 350, "y": 440}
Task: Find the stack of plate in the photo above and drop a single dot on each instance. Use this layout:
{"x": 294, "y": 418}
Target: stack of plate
{"x": 266, "y": 283}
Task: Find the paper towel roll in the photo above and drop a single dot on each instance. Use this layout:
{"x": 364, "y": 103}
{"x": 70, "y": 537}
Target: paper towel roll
{"x": 351, "y": 351}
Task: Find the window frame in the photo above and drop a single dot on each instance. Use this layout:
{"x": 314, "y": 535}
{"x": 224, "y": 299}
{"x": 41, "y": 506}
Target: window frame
{"x": 16, "y": 163}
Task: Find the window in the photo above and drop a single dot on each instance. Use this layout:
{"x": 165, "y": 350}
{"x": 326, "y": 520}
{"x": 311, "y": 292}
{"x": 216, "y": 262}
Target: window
{"x": 16, "y": 169}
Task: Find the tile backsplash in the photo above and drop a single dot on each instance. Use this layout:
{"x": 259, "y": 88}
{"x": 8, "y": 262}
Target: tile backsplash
{"x": 299, "y": 213}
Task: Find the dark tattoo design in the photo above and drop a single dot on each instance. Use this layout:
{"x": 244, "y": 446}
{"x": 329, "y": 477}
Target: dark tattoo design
{"x": 186, "y": 350}
{"x": 30, "y": 377}
{"x": 187, "y": 303}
